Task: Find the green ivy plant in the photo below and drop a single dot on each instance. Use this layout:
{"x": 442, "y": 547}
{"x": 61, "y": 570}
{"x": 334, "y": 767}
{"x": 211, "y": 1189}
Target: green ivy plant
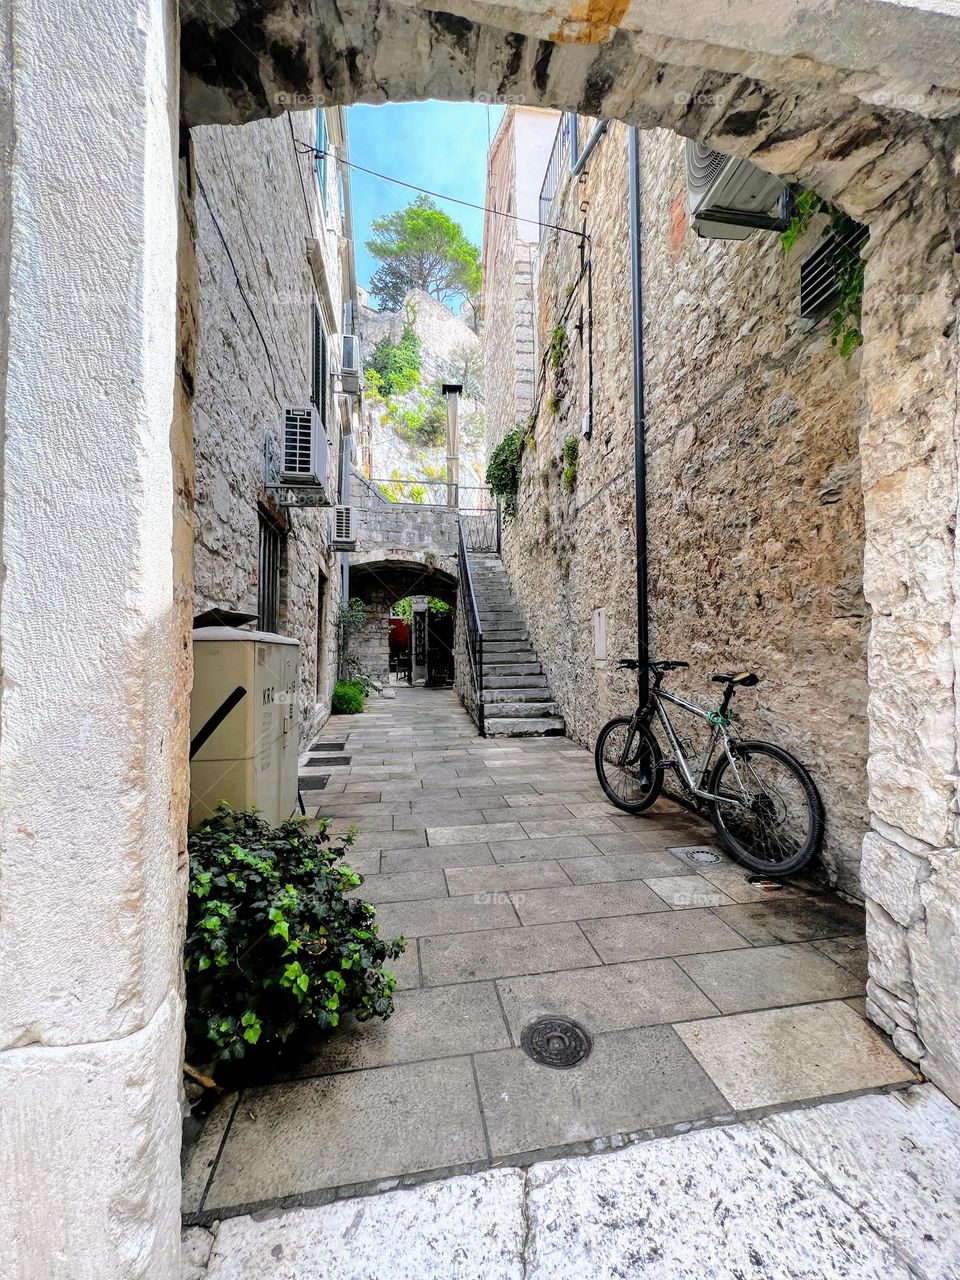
{"x": 503, "y": 470}
{"x": 275, "y": 949}
{"x": 571, "y": 458}
{"x": 845, "y": 333}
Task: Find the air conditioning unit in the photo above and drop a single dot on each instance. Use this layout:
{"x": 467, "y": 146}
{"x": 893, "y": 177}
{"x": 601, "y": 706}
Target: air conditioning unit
{"x": 729, "y": 198}
{"x": 306, "y": 450}
{"x": 344, "y": 529}
{"x": 350, "y": 369}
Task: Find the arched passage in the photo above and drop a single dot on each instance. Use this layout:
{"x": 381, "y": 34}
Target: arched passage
{"x": 94, "y": 708}
{"x": 380, "y": 584}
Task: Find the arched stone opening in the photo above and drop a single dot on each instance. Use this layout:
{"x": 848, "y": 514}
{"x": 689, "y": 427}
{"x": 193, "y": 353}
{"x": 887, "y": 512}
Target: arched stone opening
{"x": 95, "y": 708}
{"x": 380, "y": 584}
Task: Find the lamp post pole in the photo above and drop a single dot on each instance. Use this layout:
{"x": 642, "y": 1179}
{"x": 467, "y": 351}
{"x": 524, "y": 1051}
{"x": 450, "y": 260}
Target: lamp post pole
{"x": 451, "y": 391}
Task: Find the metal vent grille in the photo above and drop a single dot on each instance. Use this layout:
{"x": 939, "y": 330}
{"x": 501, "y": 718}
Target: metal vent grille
{"x": 703, "y": 167}
{"x": 819, "y": 288}
{"x": 343, "y": 527}
{"x": 298, "y": 442}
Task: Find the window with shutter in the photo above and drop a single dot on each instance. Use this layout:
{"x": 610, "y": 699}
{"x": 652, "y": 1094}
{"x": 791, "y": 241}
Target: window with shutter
{"x": 318, "y": 384}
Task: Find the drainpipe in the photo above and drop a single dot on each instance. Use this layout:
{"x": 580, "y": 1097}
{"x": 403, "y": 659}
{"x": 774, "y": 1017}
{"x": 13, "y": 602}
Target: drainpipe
{"x": 599, "y": 129}
{"x": 639, "y": 410}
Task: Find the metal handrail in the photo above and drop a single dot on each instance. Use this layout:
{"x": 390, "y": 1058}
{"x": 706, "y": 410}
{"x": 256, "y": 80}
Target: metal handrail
{"x": 473, "y": 628}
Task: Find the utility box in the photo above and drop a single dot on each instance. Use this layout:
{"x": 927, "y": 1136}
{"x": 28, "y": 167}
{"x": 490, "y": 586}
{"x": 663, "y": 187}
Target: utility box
{"x": 244, "y": 731}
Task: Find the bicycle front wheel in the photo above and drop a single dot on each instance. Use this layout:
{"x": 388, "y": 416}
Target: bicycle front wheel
{"x": 627, "y": 759}
{"x": 768, "y": 814}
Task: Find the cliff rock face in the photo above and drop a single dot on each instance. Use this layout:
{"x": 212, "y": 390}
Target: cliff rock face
{"x": 389, "y": 448}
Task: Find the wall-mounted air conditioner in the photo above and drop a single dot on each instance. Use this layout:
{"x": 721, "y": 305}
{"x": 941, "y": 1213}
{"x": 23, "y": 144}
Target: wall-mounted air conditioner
{"x": 344, "y": 529}
{"x": 729, "y": 198}
{"x": 306, "y": 450}
{"x": 350, "y": 369}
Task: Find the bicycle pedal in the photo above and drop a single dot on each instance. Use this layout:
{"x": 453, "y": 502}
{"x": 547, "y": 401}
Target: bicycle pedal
{"x": 667, "y": 762}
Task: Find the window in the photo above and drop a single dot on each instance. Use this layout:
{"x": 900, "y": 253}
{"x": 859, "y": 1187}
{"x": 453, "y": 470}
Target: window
{"x": 268, "y": 583}
{"x": 323, "y": 143}
{"x": 318, "y": 382}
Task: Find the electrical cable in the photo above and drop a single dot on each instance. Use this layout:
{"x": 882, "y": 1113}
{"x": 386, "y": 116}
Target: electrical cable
{"x": 243, "y": 292}
{"x": 305, "y": 148}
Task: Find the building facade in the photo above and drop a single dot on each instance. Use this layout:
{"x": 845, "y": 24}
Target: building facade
{"x": 754, "y": 511}
{"x": 277, "y": 294}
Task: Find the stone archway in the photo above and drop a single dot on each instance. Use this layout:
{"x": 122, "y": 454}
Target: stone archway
{"x": 94, "y": 708}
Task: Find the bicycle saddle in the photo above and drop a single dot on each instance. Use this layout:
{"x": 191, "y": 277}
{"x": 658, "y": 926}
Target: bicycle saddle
{"x": 746, "y": 679}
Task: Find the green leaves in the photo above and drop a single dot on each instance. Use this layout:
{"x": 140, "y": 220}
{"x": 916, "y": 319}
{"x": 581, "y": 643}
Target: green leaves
{"x": 421, "y": 247}
{"x": 503, "y": 470}
{"x": 268, "y": 930}
{"x": 845, "y": 318}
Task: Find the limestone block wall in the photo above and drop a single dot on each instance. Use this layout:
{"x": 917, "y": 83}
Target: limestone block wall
{"x": 257, "y": 204}
{"x": 755, "y": 519}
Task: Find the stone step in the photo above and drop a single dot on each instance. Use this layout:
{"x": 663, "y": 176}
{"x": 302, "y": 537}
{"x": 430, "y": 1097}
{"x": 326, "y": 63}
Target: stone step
{"x": 506, "y": 668}
{"x": 498, "y": 635}
{"x": 504, "y": 727}
{"x": 505, "y": 698}
{"x": 528, "y": 681}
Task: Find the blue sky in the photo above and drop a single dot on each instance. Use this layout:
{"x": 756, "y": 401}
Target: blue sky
{"x": 438, "y": 145}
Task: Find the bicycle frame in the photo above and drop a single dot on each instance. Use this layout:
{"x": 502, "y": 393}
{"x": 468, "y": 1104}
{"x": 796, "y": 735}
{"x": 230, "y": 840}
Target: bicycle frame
{"x": 694, "y": 773}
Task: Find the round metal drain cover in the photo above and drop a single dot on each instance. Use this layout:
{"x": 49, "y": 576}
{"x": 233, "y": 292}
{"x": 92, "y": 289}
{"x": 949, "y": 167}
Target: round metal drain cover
{"x": 556, "y": 1042}
{"x": 702, "y": 857}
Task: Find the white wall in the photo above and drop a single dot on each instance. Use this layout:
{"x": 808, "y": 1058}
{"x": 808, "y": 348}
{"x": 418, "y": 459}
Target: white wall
{"x": 92, "y": 750}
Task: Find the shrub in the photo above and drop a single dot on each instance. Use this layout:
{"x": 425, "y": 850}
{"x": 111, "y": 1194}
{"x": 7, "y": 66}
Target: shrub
{"x": 274, "y": 949}
{"x": 503, "y": 470}
{"x": 348, "y": 696}
{"x": 571, "y": 457}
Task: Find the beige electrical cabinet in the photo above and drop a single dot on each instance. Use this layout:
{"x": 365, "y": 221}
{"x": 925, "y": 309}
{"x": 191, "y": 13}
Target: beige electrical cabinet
{"x": 244, "y": 731}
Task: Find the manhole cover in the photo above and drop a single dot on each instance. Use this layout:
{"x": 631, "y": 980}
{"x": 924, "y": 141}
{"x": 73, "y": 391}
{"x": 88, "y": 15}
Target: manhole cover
{"x": 699, "y": 856}
{"x": 556, "y": 1042}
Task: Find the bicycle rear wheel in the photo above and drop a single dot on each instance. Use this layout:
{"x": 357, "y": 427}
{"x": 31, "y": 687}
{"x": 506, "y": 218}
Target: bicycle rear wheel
{"x": 777, "y": 826}
{"x": 627, "y": 759}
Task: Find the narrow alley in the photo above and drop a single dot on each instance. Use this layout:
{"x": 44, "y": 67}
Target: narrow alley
{"x": 523, "y": 896}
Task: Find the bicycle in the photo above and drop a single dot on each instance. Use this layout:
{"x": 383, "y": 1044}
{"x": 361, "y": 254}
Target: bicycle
{"x": 763, "y": 803}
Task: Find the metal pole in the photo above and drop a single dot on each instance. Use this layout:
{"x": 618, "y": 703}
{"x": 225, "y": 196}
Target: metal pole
{"x": 451, "y": 391}
{"x": 639, "y": 412}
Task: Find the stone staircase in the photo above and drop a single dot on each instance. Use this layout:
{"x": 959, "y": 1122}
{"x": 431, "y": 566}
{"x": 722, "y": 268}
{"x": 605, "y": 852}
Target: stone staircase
{"x": 516, "y": 697}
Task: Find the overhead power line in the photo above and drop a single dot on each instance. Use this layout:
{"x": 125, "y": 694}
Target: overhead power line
{"x": 306, "y": 149}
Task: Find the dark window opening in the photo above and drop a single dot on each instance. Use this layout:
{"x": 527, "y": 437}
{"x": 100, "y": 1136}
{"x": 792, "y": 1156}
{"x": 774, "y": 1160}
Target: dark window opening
{"x": 268, "y": 582}
{"x": 318, "y": 382}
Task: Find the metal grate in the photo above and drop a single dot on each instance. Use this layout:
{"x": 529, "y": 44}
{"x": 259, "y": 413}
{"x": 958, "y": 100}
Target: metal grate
{"x": 819, "y": 288}
{"x": 298, "y": 442}
{"x": 556, "y": 1042}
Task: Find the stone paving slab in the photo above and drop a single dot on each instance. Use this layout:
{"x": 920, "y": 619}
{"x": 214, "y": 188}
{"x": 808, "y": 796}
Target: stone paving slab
{"x": 308, "y": 1134}
{"x": 441, "y": 855}
{"x": 794, "y": 920}
{"x": 545, "y": 848}
{"x": 849, "y": 952}
{"x": 501, "y": 953}
{"x": 443, "y": 915}
{"x": 764, "y": 977}
{"x": 402, "y": 886}
{"x": 685, "y": 891}
{"x": 632, "y": 1080}
{"x": 476, "y": 834}
{"x": 776, "y": 1056}
{"x": 585, "y": 901}
{"x": 504, "y": 877}
{"x": 622, "y": 866}
{"x": 435, "y": 1022}
{"x": 606, "y": 998}
{"x": 666, "y": 933}
{"x": 862, "y": 1189}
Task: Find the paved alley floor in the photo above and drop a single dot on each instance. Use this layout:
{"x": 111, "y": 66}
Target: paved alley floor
{"x": 523, "y": 894}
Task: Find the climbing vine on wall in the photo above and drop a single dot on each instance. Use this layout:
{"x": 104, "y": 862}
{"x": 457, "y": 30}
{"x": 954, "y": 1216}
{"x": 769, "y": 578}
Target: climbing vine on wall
{"x": 503, "y": 470}
{"x": 845, "y": 318}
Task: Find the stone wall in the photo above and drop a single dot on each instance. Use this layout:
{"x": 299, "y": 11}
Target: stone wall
{"x": 755, "y": 521}
{"x": 258, "y": 204}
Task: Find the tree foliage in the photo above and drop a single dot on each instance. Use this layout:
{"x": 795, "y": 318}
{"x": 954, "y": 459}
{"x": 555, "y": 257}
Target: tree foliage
{"x": 395, "y": 366}
{"x": 421, "y": 247}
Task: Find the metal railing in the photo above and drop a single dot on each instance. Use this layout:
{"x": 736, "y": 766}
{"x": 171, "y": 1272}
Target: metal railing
{"x": 434, "y": 493}
{"x": 472, "y": 627}
{"x": 551, "y": 179}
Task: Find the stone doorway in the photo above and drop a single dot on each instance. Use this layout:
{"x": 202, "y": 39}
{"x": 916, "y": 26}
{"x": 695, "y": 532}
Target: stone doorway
{"x": 99, "y": 1017}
